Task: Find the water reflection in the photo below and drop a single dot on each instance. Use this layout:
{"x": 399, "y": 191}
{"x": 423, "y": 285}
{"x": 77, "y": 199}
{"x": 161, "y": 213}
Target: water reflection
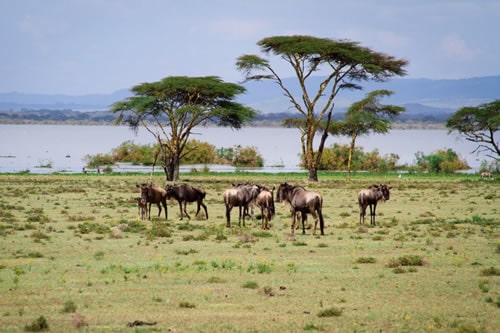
{"x": 62, "y": 148}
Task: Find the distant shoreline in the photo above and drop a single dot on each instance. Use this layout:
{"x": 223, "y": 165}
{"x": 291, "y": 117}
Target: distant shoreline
{"x": 258, "y": 123}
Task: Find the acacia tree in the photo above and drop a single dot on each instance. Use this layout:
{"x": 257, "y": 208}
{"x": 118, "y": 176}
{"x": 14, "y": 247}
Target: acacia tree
{"x": 479, "y": 124}
{"x": 169, "y": 109}
{"x": 363, "y": 117}
{"x": 346, "y": 64}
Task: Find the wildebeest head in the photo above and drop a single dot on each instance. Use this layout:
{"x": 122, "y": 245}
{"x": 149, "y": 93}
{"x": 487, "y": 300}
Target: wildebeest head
{"x": 385, "y": 191}
{"x": 171, "y": 191}
{"x": 144, "y": 188}
{"x": 283, "y": 190}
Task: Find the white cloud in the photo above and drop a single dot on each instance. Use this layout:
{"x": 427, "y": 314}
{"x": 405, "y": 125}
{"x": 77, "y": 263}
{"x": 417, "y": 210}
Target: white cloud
{"x": 455, "y": 46}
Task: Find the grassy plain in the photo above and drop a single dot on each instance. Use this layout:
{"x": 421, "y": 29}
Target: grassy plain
{"x": 73, "y": 256}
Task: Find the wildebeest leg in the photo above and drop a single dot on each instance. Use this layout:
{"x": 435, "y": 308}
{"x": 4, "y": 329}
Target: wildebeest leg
{"x": 228, "y": 215}
{"x": 185, "y": 210}
{"x": 149, "y": 210}
{"x": 159, "y": 209}
{"x": 315, "y": 217}
{"x": 362, "y": 213}
{"x": 180, "y": 208}
{"x": 304, "y": 219}
{"x": 263, "y": 218}
{"x": 239, "y": 216}
{"x": 164, "y": 203}
{"x": 245, "y": 208}
{"x": 294, "y": 216}
{"x": 321, "y": 222}
{"x": 197, "y": 208}
{"x": 204, "y": 207}
{"x": 372, "y": 218}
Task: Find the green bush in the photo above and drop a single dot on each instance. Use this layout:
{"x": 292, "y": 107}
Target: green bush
{"x": 196, "y": 152}
{"x": 442, "y": 161}
{"x": 336, "y": 158}
{"x": 330, "y": 312}
{"x": 69, "y": 307}
{"x": 39, "y": 325}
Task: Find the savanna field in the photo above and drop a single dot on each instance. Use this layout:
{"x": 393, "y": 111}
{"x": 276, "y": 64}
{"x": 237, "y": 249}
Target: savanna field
{"x": 75, "y": 257}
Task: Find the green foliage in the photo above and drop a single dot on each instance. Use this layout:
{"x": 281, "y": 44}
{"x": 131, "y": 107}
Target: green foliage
{"x": 250, "y": 285}
{"x": 38, "y": 325}
{"x": 441, "y": 161}
{"x": 479, "y": 124}
{"x": 491, "y": 271}
{"x": 330, "y": 312}
{"x": 159, "y": 229}
{"x": 366, "y": 260}
{"x": 37, "y": 215}
{"x": 196, "y": 152}
{"x": 132, "y": 153}
{"x": 39, "y": 236}
{"x": 336, "y": 157}
{"x": 187, "y": 305}
{"x": 247, "y": 156}
{"x": 94, "y": 161}
{"x": 69, "y": 307}
{"x": 216, "y": 279}
{"x": 406, "y": 260}
{"x": 199, "y": 152}
{"x": 87, "y": 227}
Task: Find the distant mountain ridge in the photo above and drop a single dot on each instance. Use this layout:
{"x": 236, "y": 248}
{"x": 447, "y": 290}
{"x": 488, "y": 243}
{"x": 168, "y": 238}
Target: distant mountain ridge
{"x": 16, "y": 101}
{"x": 417, "y": 95}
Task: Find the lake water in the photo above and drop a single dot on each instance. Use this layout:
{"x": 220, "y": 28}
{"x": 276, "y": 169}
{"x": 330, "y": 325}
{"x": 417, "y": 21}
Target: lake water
{"x": 27, "y": 147}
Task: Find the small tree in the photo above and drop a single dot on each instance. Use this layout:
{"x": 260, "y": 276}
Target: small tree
{"x": 169, "y": 109}
{"x": 479, "y": 124}
{"x": 345, "y": 64}
{"x": 365, "y": 116}
{"x": 441, "y": 161}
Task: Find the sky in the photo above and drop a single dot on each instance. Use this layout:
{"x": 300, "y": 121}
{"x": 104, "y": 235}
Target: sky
{"x": 79, "y": 47}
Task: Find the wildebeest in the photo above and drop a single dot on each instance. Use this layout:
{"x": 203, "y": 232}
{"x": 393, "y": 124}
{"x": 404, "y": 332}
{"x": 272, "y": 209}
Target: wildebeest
{"x": 303, "y": 201}
{"x": 240, "y": 196}
{"x": 265, "y": 201}
{"x": 153, "y": 194}
{"x": 185, "y": 193}
{"x": 142, "y": 208}
{"x": 486, "y": 174}
{"x": 370, "y": 197}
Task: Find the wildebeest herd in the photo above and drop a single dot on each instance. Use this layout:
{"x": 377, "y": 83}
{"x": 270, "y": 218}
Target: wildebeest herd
{"x": 247, "y": 196}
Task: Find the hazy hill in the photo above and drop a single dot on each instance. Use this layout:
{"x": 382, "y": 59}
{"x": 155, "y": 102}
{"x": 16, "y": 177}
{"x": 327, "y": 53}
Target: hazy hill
{"x": 433, "y": 98}
{"x": 16, "y": 101}
{"x": 448, "y": 94}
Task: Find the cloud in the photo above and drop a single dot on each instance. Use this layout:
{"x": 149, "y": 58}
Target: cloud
{"x": 455, "y": 46}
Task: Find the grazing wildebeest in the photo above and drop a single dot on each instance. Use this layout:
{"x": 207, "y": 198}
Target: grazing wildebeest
{"x": 240, "y": 196}
{"x": 185, "y": 193}
{"x": 265, "y": 201}
{"x": 153, "y": 194}
{"x": 303, "y": 201}
{"x": 370, "y": 197}
{"x": 486, "y": 174}
{"x": 142, "y": 208}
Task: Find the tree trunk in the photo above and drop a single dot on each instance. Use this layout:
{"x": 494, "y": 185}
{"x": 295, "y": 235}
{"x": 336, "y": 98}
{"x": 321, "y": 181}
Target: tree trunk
{"x": 313, "y": 167}
{"x": 349, "y": 158}
{"x": 172, "y": 168}
{"x": 313, "y": 174}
